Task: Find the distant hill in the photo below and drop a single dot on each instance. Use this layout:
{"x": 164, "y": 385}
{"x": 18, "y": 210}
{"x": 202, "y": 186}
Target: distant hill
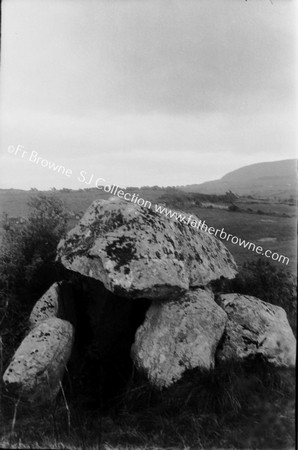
{"x": 268, "y": 179}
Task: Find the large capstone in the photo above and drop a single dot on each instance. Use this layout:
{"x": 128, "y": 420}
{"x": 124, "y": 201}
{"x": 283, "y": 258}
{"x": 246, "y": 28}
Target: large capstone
{"x": 255, "y": 327}
{"x": 138, "y": 253}
{"x": 37, "y": 368}
{"x": 179, "y": 335}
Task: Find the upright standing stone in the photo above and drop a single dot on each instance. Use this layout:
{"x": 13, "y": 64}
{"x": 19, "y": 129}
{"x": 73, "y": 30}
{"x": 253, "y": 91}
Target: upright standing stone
{"x": 178, "y": 335}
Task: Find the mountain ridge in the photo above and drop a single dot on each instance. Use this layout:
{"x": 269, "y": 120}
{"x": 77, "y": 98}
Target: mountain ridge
{"x": 269, "y": 178}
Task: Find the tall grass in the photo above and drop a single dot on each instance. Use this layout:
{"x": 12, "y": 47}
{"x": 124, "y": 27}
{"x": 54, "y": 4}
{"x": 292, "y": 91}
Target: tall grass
{"x": 235, "y": 406}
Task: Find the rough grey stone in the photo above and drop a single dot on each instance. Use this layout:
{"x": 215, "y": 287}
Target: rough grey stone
{"x": 57, "y": 301}
{"x": 47, "y": 306}
{"x": 178, "y": 335}
{"x": 38, "y": 364}
{"x": 138, "y": 253}
{"x": 256, "y": 327}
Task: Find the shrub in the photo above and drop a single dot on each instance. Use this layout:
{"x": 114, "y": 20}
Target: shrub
{"x": 233, "y": 208}
{"x": 28, "y": 250}
{"x": 27, "y": 264}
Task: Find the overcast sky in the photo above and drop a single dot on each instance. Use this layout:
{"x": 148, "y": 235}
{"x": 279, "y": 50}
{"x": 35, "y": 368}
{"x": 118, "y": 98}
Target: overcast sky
{"x": 146, "y": 92}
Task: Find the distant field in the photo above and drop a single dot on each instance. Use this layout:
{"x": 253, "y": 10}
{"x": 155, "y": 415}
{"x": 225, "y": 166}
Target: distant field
{"x": 14, "y": 202}
{"x": 253, "y": 227}
{"x": 249, "y": 226}
{"x": 275, "y": 208}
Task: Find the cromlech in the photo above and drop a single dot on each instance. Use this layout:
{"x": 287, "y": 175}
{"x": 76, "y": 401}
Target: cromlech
{"x": 139, "y": 298}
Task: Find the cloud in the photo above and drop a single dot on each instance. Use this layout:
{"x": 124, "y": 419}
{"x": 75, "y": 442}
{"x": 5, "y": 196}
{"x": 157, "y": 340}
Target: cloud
{"x": 151, "y": 92}
{"x": 149, "y": 56}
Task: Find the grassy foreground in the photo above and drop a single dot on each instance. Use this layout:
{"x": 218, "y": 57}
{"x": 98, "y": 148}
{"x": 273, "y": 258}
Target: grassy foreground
{"x": 235, "y": 406}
